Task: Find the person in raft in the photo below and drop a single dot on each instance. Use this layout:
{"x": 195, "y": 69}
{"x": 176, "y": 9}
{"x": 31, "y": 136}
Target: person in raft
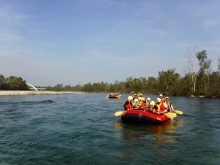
{"x": 169, "y": 105}
{"x": 128, "y": 103}
{"x": 152, "y": 107}
{"x": 159, "y": 107}
{"x": 161, "y": 96}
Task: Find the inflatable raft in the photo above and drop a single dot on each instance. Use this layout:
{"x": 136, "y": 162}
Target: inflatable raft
{"x": 113, "y": 96}
{"x": 140, "y": 116}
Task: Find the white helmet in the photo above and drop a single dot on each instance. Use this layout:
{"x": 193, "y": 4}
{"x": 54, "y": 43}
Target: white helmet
{"x": 135, "y": 100}
{"x": 152, "y": 103}
{"x": 148, "y": 98}
{"x": 130, "y": 98}
{"x": 159, "y": 100}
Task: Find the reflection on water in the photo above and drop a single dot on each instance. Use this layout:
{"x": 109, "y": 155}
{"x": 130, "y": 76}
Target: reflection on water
{"x": 159, "y": 133}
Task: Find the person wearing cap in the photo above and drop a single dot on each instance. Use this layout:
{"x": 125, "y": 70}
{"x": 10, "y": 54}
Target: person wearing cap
{"x": 128, "y": 103}
{"x": 143, "y": 104}
{"x": 169, "y": 105}
{"x": 160, "y": 96}
{"x": 135, "y": 96}
{"x": 152, "y": 107}
{"x": 148, "y": 102}
{"x": 159, "y": 107}
{"x": 139, "y": 102}
{"x": 135, "y": 103}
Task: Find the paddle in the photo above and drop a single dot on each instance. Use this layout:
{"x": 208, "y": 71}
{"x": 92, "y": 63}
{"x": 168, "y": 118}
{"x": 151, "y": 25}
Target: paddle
{"x": 118, "y": 113}
{"x": 177, "y": 111}
{"x": 170, "y": 115}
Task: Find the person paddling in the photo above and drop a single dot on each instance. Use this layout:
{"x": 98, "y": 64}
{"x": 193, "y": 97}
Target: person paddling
{"x": 128, "y": 103}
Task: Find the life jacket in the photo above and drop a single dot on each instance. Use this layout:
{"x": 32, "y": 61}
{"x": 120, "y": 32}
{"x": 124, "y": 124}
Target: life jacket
{"x": 159, "y": 108}
{"x": 143, "y": 105}
{"x": 139, "y": 103}
{"x": 128, "y": 105}
{"x": 162, "y": 107}
{"x": 156, "y": 109}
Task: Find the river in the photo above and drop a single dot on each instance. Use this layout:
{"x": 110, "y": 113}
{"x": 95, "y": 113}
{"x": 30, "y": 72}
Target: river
{"x": 80, "y": 129}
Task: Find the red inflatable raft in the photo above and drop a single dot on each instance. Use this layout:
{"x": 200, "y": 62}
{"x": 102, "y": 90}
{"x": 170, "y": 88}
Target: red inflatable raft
{"x": 140, "y": 116}
{"x": 113, "y": 96}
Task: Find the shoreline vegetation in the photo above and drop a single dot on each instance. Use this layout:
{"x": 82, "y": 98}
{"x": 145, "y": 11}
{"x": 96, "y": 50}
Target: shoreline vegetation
{"x": 15, "y": 93}
{"x": 18, "y": 92}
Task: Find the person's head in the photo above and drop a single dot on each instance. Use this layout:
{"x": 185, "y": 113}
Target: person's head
{"x": 167, "y": 98}
{"x": 160, "y": 96}
{"x": 152, "y": 103}
{"x": 158, "y": 100}
{"x": 135, "y": 100}
{"x": 148, "y": 99}
{"x": 139, "y": 98}
{"x": 130, "y": 98}
{"x": 140, "y": 95}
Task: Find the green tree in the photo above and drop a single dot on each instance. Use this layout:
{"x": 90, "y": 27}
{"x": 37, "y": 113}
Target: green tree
{"x": 204, "y": 70}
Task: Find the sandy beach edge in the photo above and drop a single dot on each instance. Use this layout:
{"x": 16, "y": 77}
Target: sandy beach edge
{"x": 9, "y": 93}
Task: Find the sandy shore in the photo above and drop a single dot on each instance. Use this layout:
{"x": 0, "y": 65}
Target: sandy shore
{"x": 8, "y": 93}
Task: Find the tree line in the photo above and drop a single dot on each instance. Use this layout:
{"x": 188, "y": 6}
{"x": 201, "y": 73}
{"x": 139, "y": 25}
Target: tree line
{"x": 12, "y": 83}
{"x": 204, "y": 81}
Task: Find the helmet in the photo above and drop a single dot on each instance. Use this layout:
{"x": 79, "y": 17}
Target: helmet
{"x": 139, "y": 98}
{"x": 140, "y": 94}
{"x": 143, "y": 99}
{"x": 135, "y": 100}
{"x": 148, "y": 98}
{"x": 160, "y": 95}
{"x": 152, "y": 103}
{"x": 158, "y": 100}
{"x": 130, "y": 98}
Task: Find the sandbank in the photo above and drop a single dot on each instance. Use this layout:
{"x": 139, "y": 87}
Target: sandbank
{"x": 8, "y": 93}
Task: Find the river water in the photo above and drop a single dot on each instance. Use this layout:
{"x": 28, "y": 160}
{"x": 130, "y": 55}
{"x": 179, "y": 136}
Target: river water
{"x": 80, "y": 129}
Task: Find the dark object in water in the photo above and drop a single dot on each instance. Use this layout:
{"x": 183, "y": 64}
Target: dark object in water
{"x": 47, "y": 101}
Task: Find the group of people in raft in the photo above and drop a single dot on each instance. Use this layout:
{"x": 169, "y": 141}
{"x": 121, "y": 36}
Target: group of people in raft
{"x": 139, "y": 102}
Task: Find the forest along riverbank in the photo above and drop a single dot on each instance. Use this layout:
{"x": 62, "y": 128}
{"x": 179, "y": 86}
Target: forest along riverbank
{"x": 7, "y": 93}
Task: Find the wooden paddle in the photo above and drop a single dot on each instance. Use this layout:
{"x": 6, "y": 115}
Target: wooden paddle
{"x": 118, "y": 113}
{"x": 178, "y": 112}
{"x": 170, "y": 115}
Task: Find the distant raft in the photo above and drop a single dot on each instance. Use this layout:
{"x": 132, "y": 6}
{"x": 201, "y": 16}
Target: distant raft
{"x": 113, "y": 96}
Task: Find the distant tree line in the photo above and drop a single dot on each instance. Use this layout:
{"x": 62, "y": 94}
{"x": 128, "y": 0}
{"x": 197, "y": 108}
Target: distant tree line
{"x": 200, "y": 82}
{"x": 12, "y": 83}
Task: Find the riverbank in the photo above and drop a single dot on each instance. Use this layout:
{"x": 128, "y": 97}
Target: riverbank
{"x": 8, "y": 93}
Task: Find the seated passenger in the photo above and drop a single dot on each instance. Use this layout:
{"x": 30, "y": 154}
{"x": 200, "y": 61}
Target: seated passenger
{"x": 128, "y": 103}
{"x": 151, "y": 107}
{"x": 159, "y": 107}
{"x": 143, "y": 104}
{"x": 139, "y": 102}
{"x": 169, "y": 105}
{"x": 148, "y": 102}
{"x": 135, "y": 106}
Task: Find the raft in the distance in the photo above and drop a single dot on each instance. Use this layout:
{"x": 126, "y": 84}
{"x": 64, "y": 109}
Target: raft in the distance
{"x": 113, "y": 96}
{"x": 140, "y": 116}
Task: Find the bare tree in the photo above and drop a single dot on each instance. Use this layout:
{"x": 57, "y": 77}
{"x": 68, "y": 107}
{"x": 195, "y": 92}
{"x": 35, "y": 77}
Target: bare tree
{"x": 218, "y": 64}
{"x": 191, "y": 56}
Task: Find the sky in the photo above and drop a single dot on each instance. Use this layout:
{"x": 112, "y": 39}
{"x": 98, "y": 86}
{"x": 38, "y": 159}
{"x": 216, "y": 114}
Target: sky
{"x": 71, "y": 42}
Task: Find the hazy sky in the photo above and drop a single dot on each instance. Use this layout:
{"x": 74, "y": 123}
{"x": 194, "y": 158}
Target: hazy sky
{"x": 50, "y": 42}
